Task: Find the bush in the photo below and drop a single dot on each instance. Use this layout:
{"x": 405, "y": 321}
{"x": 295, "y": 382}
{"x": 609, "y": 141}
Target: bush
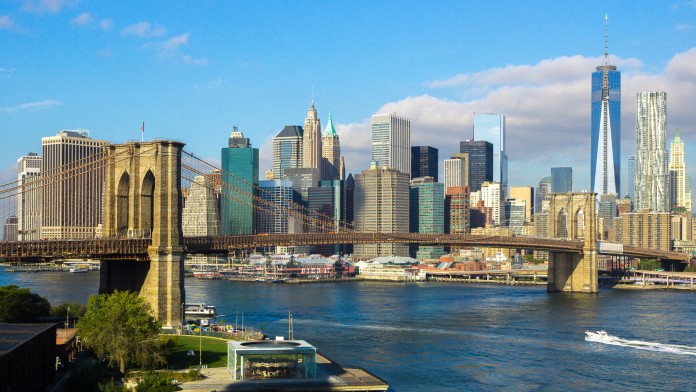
{"x": 21, "y": 305}
{"x": 157, "y": 382}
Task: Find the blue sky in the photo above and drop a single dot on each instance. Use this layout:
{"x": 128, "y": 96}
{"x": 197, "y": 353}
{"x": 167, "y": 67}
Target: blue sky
{"x": 191, "y": 70}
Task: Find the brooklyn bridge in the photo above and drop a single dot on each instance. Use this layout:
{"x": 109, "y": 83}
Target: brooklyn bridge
{"x": 142, "y": 248}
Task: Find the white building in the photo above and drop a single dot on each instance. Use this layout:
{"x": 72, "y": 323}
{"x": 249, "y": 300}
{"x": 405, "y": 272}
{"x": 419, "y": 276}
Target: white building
{"x": 311, "y": 140}
{"x": 456, "y": 172}
{"x": 490, "y": 194}
{"x": 652, "y": 176}
{"x": 677, "y": 175}
{"x": 29, "y": 197}
{"x": 391, "y": 142}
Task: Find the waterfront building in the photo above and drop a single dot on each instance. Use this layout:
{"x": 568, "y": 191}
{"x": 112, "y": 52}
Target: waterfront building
{"x": 457, "y": 210}
{"x": 287, "y": 150}
{"x": 427, "y": 214}
{"x": 381, "y": 205}
{"x": 311, "y": 140}
{"x": 542, "y": 192}
{"x": 652, "y": 176}
{"x": 239, "y": 182}
{"x": 9, "y": 230}
{"x": 29, "y": 197}
{"x": 480, "y": 162}
{"x": 605, "y": 165}
{"x": 491, "y": 128}
{"x": 677, "y": 174}
{"x": 515, "y": 213}
{"x": 72, "y": 207}
{"x": 490, "y": 194}
{"x": 525, "y": 193}
{"x": 561, "y": 179}
{"x": 644, "y": 229}
{"x": 391, "y": 142}
{"x": 331, "y": 160}
{"x": 457, "y": 171}
{"x": 424, "y": 162}
{"x": 631, "y": 191}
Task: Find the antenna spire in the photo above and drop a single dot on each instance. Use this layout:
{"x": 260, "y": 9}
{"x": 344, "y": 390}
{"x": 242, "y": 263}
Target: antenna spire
{"x": 606, "y": 39}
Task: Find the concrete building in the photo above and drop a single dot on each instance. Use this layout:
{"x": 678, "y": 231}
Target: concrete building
{"x": 631, "y": 191}
{"x": 480, "y": 162}
{"x": 287, "y": 150}
{"x": 239, "y": 179}
{"x": 199, "y": 217}
{"x": 9, "y": 230}
{"x": 427, "y": 214}
{"x": 494, "y": 231}
{"x": 515, "y": 213}
{"x": 605, "y": 165}
{"x": 311, "y": 140}
{"x": 682, "y": 227}
{"x": 424, "y": 162}
{"x": 525, "y": 193}
{"x": 652, "y": 176}
{"x": 302, "y": 179}
{"x": 457, "y": 210}
{"x": 391, "y": 142}
{"x": 542, "y": 192}
{"x": 72, "y": 207}
{"x": 381, "y": 205}
{"x": 623, "y": 206}
{"x": 677, "y": 175}
{"x": 644, "y": 229}
{"x": 491, "y": 194}
{"x": 29, "y": 192}
{"x": 561, "y": 179}
{"x": 457, "y": 171}
{"x": 491, "y": 128}
{"x": 606, "y": 212}
{"x": 331, "y": 160}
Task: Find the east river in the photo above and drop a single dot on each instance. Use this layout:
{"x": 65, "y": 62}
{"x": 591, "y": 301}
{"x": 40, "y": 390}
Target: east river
{"x": 457, "y": 337}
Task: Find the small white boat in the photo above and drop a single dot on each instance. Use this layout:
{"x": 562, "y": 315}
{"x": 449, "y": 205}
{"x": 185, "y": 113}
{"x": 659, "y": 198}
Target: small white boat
{"x": 599, "y": 336}
{"x": 75, "y": 270}
{"x": 200, "y": 310}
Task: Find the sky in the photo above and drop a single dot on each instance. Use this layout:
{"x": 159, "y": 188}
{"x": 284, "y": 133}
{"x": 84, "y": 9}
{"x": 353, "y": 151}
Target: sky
{"x": 191, "y": 70}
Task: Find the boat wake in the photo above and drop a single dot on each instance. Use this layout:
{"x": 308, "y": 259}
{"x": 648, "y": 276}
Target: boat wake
{"x": 605, "y": 338}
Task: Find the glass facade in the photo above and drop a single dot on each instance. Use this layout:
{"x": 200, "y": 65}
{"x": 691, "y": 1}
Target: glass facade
{"x": 491, "y": 128}
{"x": 240, "y": 176}
{"x": 561, "y": 179}
{"x": 424, "y": 162}
{"x": 480, "y": 162}
{"x": 605, "y": 170}
{"x": 427, "y": 214}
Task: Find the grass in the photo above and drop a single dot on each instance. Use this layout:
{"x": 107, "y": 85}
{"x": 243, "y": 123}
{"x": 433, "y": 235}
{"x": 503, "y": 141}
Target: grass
{"x": 214, "y": 352}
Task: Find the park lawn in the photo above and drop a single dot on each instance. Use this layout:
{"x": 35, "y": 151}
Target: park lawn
{"x": 214, "y": 352}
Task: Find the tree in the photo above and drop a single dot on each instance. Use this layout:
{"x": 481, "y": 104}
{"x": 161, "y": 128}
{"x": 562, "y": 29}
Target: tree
{"x": 76, "y": 310}
{"x": 121, "y": 327}
{"x": 19, "y": 305}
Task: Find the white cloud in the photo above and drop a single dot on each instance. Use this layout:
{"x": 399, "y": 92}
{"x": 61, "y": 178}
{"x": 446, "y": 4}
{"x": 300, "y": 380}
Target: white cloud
{"x": 31, "y": 106}
{"x": 8, "y": 173}
{"x": 193, "y": 61}
{"x": 172, "y": 44}
{"x": 144, "y": 29}
{"x": 105, "y": 24}
{"x": 52, "y": 6}
{"x": 6, "y": 22}
{"x": 83, "y": 19}
{"x": 684, "y": 27}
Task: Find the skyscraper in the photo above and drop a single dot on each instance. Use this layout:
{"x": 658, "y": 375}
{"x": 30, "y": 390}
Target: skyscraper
{"x": 480, "y": 162}
{"x": 72, "y": 207}
{"x": 240, "y": 177}
{"x": 677, "y": 173}
{"x": 543, "y": 191}
{"x": 330, "y": 153}
{"x": 287, "y": 150}
{"x": 525, "y": 193}
{"x": 561, "y": 179}
{"x": 277, "y": 197}
{"x": 427, "y": 214}
{"x": 652, "y": 176}
{"x": 424, "y": 160}
{"x": 457, "y": 210}
{"x": 29, "y": 197}
{"x": 605, "y": 162}
{"x": 391, "y": 142}
{"x": 311, "y": 140}
{"x": 199, "y": 217}
{"x": 490, "y": 194}
{"x": 631, "y": 191}
{"x": 457, "y": 171}
{"x": 491, "y": 128}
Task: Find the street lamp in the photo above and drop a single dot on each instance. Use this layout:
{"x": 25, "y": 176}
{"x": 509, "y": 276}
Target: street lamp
{"x": 67, "y": 318}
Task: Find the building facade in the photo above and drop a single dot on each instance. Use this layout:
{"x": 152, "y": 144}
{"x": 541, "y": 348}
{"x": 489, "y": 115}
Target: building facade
{"x": 287, "y": 150}
{"x": 491, "y": 128}
{"x": 542, "y": 192}
{"x": 480, "y": 162}
{"x": 29, "y": 197}
{"x": 561, "y": 179}
{"x": 311, "y": 140}
{"x": 240, "y": 179}
{"x": 424, "y": 162}
{"x": 490, "y": 194}
{"x": 72, "y": 207}
{"x": 277, "y": 199}
{"x": 456, "y": 171}
{"x": 644, "y": 229}
{"x": 331, "y": 168}
{"x": 199, "y": 217}
{"x": 427, "y": 211}
{"x": 515, "y": 212}
{"x": 391, "y": 142}
{"x": 677, "y": 174}
{"x": 457, "y": 210}
{"x": 525, "y": 193}
{"x": 652, "y": 176}
{"x": 631, "y": 191}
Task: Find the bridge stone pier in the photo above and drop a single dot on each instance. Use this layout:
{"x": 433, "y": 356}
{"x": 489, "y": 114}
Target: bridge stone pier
{"x": 572, "y": 216}
{"x": 142, "y": 199}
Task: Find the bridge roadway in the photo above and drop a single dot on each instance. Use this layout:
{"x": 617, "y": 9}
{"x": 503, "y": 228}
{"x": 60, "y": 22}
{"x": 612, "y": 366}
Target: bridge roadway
{"x": 137, "y": 249}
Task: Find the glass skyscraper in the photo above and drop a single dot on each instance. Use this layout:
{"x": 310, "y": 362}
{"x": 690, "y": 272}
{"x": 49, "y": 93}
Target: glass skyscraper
{"x": 605, "y": 171}
{"x": 561, "y": 179}
{"x": 480, "y": 162}
{"x": 424, "y": 162}
{"x": 391, "y": 142}
{"x": 240, "y": 176}
{"x": 491, "y": 128}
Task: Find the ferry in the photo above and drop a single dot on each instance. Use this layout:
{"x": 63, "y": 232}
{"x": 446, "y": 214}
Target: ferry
{"x": 200, "y": 310}
{"x": 75, "y": 270}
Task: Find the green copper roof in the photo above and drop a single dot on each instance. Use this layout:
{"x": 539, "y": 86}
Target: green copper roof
{"x": 330, "y": 130}
{"x": 677, "y": 139}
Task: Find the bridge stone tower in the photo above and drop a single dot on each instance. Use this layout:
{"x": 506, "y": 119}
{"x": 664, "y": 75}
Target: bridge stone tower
{"x": 142, "y": 199}
{"x": 572, "y": 216}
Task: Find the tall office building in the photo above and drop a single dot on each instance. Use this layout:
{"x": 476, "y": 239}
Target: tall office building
{"x": 9, "y": 230}
{"x": 287, "y": 150}
{"x": 457, "y": 210}
{"x": 199, "y": 217}
{"x": 302, "y": 178}
{"x": 542, "y": 192}
{"x": 29, "y": 197}
{"x": 605, "y": 165}
{"x": 525, "y": 193}
{"x": 329, "y": 200}
{"x": 631, "y": 191}
{"x": 491, "y": 128}
{"x": 240, "y": 177}
{"x": 424, "y": 160}
{"x": 277, "y": 199}
{"x": 71, "y": 207}
{"x": 381, "y": 205}
{"x": 490, "y": 194}
{"x": 331, "y": 153}
{"x": 457, "y": 171}
{"x": 311, "y": 140}
{"x": 480, "y": 162}
{"x": 391, "y": 142}
{"x": 561, "y": 179}
{"x": 427, "y": 211}
{"x": 515, "y": 211}
{"x": 677, "y": 173}
{"x": 652, "y": 176}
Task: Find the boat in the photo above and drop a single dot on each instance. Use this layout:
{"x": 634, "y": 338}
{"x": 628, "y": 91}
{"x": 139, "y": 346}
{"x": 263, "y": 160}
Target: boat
{"x": 200, "y": 310}
{"x": 599, "y": 336}
{"x": 207, "y": 275}
{"x": 75, "y": 270}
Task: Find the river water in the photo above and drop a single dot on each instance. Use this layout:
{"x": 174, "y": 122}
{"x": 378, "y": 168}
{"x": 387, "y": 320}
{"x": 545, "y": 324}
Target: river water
{"x": 455, "y": 337}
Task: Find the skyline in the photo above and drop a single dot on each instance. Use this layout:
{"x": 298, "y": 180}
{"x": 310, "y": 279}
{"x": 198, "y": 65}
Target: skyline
{"x": 190, "y": 71}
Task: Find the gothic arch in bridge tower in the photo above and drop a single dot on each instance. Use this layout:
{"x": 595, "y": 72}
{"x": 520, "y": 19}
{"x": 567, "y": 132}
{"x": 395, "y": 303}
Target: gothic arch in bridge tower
{"x": 147, "y": 192}
{"x": 562, "y": 226}
{"x": 122, "y": 205}
{"x": 579, "y": 232}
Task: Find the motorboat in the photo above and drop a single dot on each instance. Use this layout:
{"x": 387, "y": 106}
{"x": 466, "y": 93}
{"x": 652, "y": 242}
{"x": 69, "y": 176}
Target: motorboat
{"x": 599, "y": 336}
{"x": 200, "y": 310}
{"x": 75, "y": 270}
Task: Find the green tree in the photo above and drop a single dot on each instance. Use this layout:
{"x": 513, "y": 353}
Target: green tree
{"x": 121, "y": 327}
{"x": 19, "y": 305}
{"x": 76, "y": 310}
